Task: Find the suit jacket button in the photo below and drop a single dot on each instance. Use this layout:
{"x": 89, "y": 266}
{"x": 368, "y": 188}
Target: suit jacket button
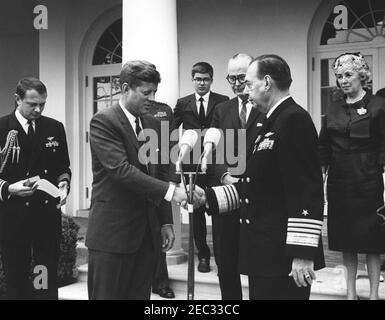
{"x": 46, "y": 201}
{"x": 247, "y": 201}
{"x": 247, "y": 221}
{"x": 240, "y": 221}
{"x": 27, "y": 174}
{"x": 240, "y": 201}
{"x": 45, "y": 171}
{"x": 248, "y": 180}
{"x": 242, "y": 180}
{"x": 27, "y": 204}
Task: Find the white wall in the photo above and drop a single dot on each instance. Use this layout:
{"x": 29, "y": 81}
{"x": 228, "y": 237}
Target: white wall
{"x": 19, "y": 49}
{"x": 60, "y": 61}
{"x": 215, "y": 30}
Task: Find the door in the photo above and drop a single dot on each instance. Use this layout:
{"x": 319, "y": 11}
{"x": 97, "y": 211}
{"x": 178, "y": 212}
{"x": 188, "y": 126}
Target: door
{"x": 103, "y": 91}
{"x": 381, "y": 77}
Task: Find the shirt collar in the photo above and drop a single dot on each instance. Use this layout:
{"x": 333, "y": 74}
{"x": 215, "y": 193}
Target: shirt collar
{"x": 130, "y": 116}
{"x": 23, "y": 121}
{"x": 205, "y": 97}
{"x": 276, "y": 106}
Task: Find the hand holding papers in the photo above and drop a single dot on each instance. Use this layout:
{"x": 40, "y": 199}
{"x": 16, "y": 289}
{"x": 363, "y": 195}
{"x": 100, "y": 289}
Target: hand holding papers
{"x": 49, "y": 188}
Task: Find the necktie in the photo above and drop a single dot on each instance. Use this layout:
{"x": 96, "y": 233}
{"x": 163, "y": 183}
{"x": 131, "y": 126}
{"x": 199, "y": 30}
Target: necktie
{"x": 242, "y": 115}
{"x": 202, "y": 115}
{"x": 138, "y": 129}
{"x": 31, "y": 131}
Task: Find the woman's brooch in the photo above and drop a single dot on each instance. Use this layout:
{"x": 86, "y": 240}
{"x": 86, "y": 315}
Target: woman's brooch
{"x": 361, "y": 111}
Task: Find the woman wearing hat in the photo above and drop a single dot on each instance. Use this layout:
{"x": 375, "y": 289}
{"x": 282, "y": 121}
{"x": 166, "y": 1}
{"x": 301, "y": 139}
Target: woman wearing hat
{"x": 352, "y": 151}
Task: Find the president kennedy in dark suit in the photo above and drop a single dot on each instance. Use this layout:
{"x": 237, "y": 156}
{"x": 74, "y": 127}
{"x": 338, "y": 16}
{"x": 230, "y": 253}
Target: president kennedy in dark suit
{"x": 30, "y": 220}
{"x": 123, "y": 236}
{"x": 195, "y": 111}
{"x": 235, "y": 114}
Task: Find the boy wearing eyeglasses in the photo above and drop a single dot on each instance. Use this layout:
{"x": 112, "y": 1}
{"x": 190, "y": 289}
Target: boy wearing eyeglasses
{"x": 195, "y": 111}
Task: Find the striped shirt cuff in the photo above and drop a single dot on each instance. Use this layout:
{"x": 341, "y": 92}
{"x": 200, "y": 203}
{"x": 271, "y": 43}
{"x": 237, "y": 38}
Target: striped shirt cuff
{"x": 303, "y": 232}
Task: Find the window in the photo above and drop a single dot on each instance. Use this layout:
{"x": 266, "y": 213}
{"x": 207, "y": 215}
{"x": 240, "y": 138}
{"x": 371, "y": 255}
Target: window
{"x": 109, "y": 47}
{"x": 366, "y": 22}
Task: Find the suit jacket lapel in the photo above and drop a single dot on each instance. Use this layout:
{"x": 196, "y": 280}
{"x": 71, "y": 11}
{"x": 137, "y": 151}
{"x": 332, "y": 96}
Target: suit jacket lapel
{"x": 211, "y": 104}
{"x": 126, "y": 125}
{"x": 150, "y": 167}
{"x": 193, "y": 106}
{"x": 14, "y": 124}
{"x": 252, "y": 117}
{"x": 234, "y": 114}
{"x": 253, "y": 130}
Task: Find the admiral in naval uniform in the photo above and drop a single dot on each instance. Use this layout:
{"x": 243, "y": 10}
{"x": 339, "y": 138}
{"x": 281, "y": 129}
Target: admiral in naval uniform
{"x": 30, "y": 220}
{"x": 280, "y": 195}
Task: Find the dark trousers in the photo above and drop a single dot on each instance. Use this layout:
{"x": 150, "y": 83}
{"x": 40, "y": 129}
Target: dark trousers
{"x": 114, "y": 276}
{"x": 160, "y": 279}
{"x": 16, "y": 258}
{"x": 226, "y": 251}
{"x": 276, "y": 288}
{"x": 200, "y": 233}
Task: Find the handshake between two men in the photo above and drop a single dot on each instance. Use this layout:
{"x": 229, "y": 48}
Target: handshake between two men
{"x": 181, "y": 196}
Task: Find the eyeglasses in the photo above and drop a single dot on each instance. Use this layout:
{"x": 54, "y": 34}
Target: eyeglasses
{"x": 205, "y": 80}
{"x": 233, "y": 79}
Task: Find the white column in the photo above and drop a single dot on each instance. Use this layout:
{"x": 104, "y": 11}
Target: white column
{"x": 150, "y": 33}
{"x": 52, "y": 61}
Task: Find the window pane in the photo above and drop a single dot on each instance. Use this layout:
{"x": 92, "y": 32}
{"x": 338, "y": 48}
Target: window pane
{"x": 364, "y": 22}
{"x": 109, "y": 47}
{"x": 102, "y": 88}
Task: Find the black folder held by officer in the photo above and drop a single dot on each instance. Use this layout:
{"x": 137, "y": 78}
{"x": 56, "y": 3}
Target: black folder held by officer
{"x": 30, "y": 220}
{"x": 280, "y": 195}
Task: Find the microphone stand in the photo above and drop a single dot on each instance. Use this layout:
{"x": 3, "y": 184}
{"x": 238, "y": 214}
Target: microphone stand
{"x": 190, "y": 210}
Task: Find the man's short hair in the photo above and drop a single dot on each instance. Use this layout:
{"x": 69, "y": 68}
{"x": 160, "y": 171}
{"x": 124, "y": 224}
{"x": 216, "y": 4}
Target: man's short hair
{"x": 276, "y": 67}
{"x": 30, "y": 83}
{"x": 202, "y": 67}
{"x": 137, "y": 71}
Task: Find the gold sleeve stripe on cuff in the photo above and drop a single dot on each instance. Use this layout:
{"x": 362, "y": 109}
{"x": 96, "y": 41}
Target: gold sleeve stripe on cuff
{"x": 313, "y": 221}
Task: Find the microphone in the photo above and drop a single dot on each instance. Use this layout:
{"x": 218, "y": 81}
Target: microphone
{"x": 186, "y": 144}
{"x": 212, "y": 137}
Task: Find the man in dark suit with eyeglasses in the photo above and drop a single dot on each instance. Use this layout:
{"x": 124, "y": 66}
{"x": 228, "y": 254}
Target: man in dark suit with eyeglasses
{"x": 235, "y": 114}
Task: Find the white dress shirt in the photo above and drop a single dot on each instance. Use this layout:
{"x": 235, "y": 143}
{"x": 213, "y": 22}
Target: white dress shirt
{"x": 131, "y": 118}
{"x": 205, "y": 101}
{"x": 24, "y": 122}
